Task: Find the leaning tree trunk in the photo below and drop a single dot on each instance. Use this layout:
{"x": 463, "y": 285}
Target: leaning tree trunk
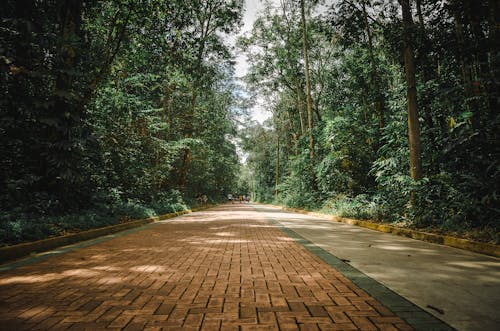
{"x": 308, "y": 81}
{"x": 411, "y": 94}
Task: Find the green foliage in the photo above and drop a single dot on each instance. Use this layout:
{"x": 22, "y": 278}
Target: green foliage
{"x": 361, "y": 206}
{"x": 361, "y": 164}
{"x": 102, "y": 101}
{"x": 348, "y": 155}
{"x": 295, "y": 190}
{"x": 20, "y": 228}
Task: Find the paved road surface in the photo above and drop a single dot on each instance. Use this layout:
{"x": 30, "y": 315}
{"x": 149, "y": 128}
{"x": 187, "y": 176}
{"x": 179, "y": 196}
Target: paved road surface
{"x": 465, "y": 286}
{"x": 228, "y": 268}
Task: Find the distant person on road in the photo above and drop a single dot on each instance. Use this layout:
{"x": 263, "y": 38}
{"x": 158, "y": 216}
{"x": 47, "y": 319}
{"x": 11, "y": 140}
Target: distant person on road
{"x": 241, "y": 198}
{"x": 202, "y": 199}
{"x": 230, "y": 197}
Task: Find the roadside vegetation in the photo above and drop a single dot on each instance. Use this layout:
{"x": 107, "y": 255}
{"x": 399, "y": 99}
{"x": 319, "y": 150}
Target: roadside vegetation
{"x": 382, "y": 110}
{"x": 116, "y": 110}
{"x": 113, "y": 110}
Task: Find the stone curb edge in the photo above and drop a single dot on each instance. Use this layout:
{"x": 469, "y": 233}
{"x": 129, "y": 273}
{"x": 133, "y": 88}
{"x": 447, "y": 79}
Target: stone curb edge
{"x": 469, "y": 245}
{"x": 21, "y": 250}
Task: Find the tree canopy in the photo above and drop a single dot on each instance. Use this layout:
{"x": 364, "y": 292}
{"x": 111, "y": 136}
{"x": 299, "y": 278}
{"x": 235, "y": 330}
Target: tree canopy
{"x": 404, "y": 98}
{"x": 112, "y": 110}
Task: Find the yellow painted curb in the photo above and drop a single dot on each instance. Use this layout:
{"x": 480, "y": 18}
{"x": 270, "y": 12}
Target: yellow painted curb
{"x": 473, "y": 246}
{"x": 20, "y": 250}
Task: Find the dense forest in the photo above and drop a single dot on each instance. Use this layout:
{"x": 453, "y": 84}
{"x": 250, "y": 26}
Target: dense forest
{"x": 115, "y": 110}
{"x": 384, "y": 110}
{"x": 112, "y": 110}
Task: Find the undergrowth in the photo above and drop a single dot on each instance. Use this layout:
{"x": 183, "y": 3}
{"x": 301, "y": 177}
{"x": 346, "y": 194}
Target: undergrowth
{"x": 19, "y": 227}
{"x": 376, "y": 208}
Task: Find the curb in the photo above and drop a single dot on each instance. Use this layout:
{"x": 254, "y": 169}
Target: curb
{"x": 469, "y": 245}
{"x": 21, "y": 250}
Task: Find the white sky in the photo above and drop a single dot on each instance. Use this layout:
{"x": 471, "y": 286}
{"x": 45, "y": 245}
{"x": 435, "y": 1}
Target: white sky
{"x": 251, "y": 9}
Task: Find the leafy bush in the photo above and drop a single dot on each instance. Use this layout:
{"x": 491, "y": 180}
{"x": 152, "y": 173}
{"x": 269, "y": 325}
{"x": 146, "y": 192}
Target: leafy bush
{"x": 296, "y": 191}
{"x": 361, "y": 206}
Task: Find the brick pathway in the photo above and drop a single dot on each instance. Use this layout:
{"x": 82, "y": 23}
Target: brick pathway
{"x": 226, "y": 268}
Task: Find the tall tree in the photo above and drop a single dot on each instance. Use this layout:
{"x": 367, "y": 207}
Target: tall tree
{"x": 309, "y": 102}
{"x": 209, "y": 19}
{"x": 411, "y": 93}
{"x": 375, "y": 77}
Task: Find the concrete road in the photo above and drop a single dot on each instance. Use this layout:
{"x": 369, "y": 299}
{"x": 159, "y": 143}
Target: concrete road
{"x": 459, "y": 287}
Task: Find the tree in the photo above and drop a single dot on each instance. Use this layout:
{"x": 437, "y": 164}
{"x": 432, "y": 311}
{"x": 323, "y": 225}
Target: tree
{"x": 95, "y": 104}
{"x": 411, "y": 93}
{"x": 309, "y": 102}
{"x": 209, "y": 19}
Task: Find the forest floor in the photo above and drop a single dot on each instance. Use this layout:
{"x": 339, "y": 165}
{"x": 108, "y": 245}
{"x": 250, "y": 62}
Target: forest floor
{"x": 245, "y": 267}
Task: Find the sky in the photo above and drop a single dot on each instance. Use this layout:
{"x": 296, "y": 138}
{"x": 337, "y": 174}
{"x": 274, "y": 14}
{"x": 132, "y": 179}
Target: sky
{"x": 252, "y": 8}
{"x": 251, "y": 11}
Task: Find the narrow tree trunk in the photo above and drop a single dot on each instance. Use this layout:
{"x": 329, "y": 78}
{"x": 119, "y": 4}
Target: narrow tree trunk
{"x": 375, "y": 78}
{"x": 70, "y": 22}
{"x": 494, "y": 44}
{"x": 308, "y": 81}
{"x": 480, "y": 43}
{"x": 167, "y": 110}
{"x": 186, "y": 158}
{"x": 277, "y": 177}
{"x": 427, "y": 73}
{"x": 411, "y": 94}
{"x": 189, "y": 130}
{"x": 292, "y": 137}
{"x": 419, "y": 15}
{"x": 465, "y": 70}
{"x": 297, "y": 82}
{"x": 300, "y": 106}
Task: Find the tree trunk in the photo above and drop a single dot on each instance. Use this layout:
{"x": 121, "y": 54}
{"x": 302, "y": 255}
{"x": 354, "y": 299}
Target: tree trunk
{"x": 308, "y": 82}
{"x": 67, "y": 109}
{"x": 189, "y": 131}
{"x": 411, "y": 94}
{"x": 297, "y": 82}
{"x": 427, "y": 73}
{"x": 186, "y": 158}
{"x": 277, "y": 177}
{"x": 494, "y": 44}
{"x": 473, "y": 12}
{"x": 300, "y": 107}
{"x": 375, "y": 78}
{"x": 464, "y": 68}
{"x": 419, "y": 15}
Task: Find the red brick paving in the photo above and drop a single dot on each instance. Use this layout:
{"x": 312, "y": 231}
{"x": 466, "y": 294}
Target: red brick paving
{"x": 222, "y": 269}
